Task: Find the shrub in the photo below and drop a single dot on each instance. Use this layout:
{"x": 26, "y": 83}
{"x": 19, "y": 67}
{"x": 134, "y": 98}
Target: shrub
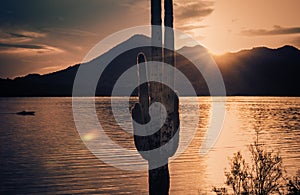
{"x": 267, "y": 171}
{"x": 238, "y": 176}
{"x": 263, "y": 177}
{"x": 293, "y": 185}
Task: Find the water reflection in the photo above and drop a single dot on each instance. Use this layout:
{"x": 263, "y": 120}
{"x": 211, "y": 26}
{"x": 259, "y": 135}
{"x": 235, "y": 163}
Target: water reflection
{"x": 45, "y": 153}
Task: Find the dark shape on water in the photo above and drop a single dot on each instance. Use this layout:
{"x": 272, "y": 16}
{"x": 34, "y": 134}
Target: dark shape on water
{"x": 26, "y": 113}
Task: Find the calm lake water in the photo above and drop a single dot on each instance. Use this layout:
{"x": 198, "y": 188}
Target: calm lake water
{"x": 45, "y": 154}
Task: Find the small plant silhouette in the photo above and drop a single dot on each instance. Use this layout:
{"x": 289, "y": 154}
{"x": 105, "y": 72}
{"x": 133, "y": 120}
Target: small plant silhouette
{"x": 238, "y": 176}
{"x": 264, "y": 176}
{"x": 293, "y": 185}
{"x": 267, "y": 173}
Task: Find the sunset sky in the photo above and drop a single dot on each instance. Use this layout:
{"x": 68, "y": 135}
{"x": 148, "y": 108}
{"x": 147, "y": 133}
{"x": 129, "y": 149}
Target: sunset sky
{"x": 41, "y": 36}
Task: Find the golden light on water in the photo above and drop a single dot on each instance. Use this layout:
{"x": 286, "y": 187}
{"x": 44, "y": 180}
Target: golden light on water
{"x": 90, "y": 136}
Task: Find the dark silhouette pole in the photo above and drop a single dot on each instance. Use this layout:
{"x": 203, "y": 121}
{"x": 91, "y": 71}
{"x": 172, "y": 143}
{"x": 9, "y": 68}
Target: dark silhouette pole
{"x": 150, "y": 92}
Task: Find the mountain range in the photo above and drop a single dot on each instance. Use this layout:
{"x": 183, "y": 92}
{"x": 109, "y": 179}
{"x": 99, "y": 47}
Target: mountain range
{"x": 259, "y": 71}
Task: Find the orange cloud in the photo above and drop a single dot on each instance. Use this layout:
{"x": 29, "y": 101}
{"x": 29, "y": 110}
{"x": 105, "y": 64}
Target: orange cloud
{"x": 194, "y": 10}
{"x": 277, "y": 30}
{"x": 6, "y": 48}
{"x": 190, "y": 13}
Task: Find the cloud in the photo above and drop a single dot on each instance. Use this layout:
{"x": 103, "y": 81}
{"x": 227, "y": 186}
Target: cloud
{"x": 25, "y": 42}
{"x": 19, "y": 36}
{"x": 27, "y": 34}
{"x": 191, "y": 27}
{"x": 21, "y": 46}
{"x": 191, "y": 10}
{"x": 6, "y": 48}
{"x": 277, "y": 30}
{"x": 70, "y": 32}
{"x": 190, "y": 13}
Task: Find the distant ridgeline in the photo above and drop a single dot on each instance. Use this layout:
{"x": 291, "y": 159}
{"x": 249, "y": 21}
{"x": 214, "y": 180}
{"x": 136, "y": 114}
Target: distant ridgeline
{"x": 256, "y": 72}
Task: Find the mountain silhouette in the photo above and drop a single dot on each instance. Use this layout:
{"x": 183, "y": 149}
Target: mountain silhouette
{"x": 261, "y": 71}
{"x": 257, "y": 72}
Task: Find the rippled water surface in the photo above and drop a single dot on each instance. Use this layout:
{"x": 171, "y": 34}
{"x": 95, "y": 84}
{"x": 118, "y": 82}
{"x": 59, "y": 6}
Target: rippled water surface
{"x": 45, "y": 154}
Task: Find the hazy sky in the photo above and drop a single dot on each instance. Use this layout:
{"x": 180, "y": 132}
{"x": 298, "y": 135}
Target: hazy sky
{"x": 41, "y": 36}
